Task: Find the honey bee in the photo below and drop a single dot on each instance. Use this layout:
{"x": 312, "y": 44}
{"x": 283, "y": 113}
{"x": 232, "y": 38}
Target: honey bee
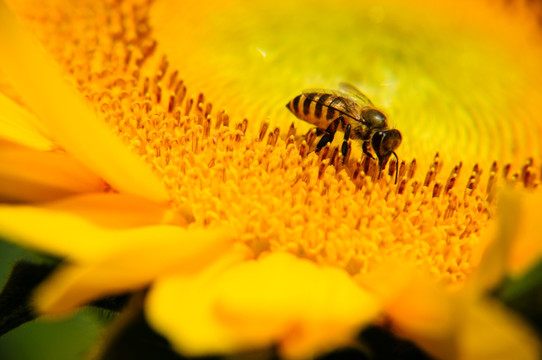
{"x": 348, "y": 110}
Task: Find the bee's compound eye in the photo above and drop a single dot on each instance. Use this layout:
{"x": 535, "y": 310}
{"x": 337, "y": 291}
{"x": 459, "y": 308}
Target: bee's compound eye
{"x": 374, "y": 118}
{"x": 385, "y": 142}
{"x": 376, "y": 141}
{"x": 391, "y": 140}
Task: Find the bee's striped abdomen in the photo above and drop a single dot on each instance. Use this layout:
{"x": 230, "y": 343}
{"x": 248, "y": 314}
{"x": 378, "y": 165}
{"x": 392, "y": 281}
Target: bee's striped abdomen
{"x": 330, "y": 114}
{"x": 307, "y": 102}
{"x": 320, "y": 104}
{"x": 294, "y": 104}
{"x": 313, "y": 108}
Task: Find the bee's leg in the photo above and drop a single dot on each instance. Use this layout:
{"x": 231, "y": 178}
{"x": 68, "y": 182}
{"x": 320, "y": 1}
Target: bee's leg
{"x": 344, "y": 146}
{"x": 365, "y": 148}
{"x": 329, "y": 133}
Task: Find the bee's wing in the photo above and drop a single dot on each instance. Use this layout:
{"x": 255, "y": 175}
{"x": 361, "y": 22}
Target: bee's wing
{"x": 339, "y": 101}
{"x": 356, "y": 93}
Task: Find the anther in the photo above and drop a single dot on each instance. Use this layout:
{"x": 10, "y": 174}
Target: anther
{"x": 188, "y": 106}
{"x": 173, "y": 79}
{"x": 291, "y": 130}
{"x": 437, "y": 189}
{"x": 263, "y": 130}
{"x": 412, "y": 169}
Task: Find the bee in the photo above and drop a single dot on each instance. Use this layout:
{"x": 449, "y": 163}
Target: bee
{"x": 350, "y": 111}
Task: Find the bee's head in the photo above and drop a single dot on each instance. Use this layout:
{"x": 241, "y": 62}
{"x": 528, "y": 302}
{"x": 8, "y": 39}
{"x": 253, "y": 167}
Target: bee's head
{"x": 384, "y": 144}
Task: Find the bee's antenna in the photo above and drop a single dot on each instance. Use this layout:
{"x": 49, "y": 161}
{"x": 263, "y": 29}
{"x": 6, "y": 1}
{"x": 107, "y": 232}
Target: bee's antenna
{"x": 396, "y": 166}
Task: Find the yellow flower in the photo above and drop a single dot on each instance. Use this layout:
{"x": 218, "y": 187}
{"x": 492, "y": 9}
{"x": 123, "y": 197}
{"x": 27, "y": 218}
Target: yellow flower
{"x": 176, "y": 167}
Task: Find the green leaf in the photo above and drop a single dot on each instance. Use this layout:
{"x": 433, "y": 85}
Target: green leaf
{"x": 15, "y": 298}
{"x": 524, "y": 295}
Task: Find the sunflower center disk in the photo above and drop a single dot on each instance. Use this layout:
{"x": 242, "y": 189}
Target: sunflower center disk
{"x": 268, "y": 183}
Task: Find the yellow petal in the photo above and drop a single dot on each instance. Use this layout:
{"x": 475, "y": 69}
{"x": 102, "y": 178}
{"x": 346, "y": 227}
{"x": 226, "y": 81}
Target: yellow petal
{"x": 492, "y": 255}
{"x": 489, "y": 331}
{"x": 305, "y": 308}
{"x": 20, "y": 126}
{"x": 153, "y": 254}
{"x": 31, "y": 175}
{"x": 526, "y": 247}
{"x": 423, "y": 313}
{"x": 71, "y": 121}
{"x": 512, "y": 245}
{"x": 89, "y": 227}
{"x": 481, "y": 329}
{"x": 418, "y": 308}
{"x": 112, "y": 210}
{"x": 461, "y": 325}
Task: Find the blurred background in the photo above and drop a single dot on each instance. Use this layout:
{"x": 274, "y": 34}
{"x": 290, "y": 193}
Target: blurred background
{"x": 63, "y": 339}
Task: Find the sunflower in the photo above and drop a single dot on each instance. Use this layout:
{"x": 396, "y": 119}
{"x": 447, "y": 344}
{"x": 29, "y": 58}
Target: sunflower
{"x": 147, "y": 146}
